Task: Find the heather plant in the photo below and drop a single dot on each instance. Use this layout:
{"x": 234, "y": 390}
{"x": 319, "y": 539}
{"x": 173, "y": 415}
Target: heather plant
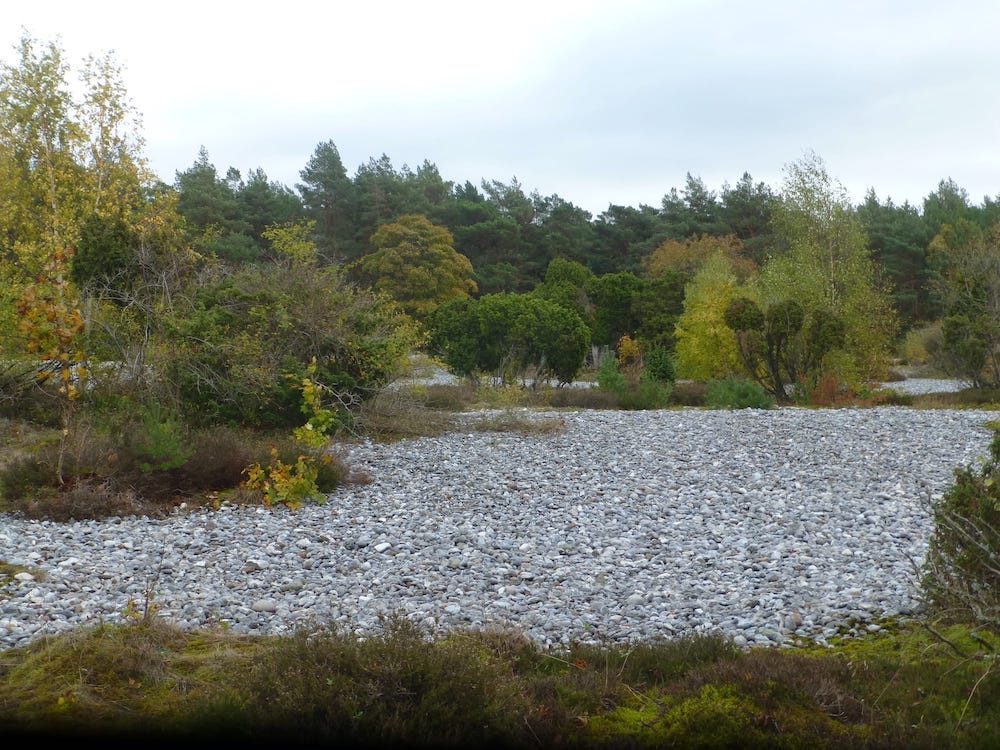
{"x": 649, "y": 393}
{"x": 962, "y": 569}
{"x": 146, "y": 679}
{"x": 736, "y": 393}
{"x": 22, "y": 475}
{"x": 576, "y": 398}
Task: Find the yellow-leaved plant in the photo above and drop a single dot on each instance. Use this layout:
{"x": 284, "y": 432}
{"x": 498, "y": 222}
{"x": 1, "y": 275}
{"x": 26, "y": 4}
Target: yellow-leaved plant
{"x": 51, "y": 323}
{"x": 287, "y": 484}
{"x": 292, "y": 484}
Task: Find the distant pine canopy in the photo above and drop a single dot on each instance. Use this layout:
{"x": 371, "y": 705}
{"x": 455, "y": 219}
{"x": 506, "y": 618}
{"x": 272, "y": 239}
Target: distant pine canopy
{"x": 74, "y": 180}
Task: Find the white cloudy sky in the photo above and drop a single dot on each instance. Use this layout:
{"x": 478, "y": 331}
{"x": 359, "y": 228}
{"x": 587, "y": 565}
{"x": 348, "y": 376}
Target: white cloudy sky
{"x": 601, "y": 102}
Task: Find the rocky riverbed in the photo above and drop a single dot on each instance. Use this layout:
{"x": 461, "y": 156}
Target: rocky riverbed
{"x": 765, "y": 525}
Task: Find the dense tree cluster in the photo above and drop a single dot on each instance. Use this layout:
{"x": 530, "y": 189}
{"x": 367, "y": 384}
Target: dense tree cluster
{"x": 162, "y": 267}
{"x": 638, "y": 262}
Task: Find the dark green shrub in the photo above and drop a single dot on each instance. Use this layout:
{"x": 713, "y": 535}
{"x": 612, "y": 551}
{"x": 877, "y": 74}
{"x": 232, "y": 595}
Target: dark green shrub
{"x": 660, "y": 364}
{"x": 736, "y": 393}
{"x": 649, "y": 394}
{"x": 688, "y": 393}
{"x": 508, "y": 335}
{"x": 962, "y": 569}
{"x": 159, "y": 442}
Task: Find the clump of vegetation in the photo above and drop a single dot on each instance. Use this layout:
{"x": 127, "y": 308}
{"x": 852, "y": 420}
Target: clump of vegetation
{"x": 921, "y": 345}
{"x": 689, "y": 393}
{"x": 401, "y": 413}
{"x": 445, "y": 397}
{"x": 890, "y": 397}
{"x": 636, "y": 384}
{"x": 403, "y": 686}
{"x": 519, "y": 421}
{"x": 967, "y": 398}
{"x": 962, "y": 569}
{"x": 509, "y": 337}
{"x": 576, "y": 398}
{"x": 609, "y": 378}
{"x": 736, "y": 393}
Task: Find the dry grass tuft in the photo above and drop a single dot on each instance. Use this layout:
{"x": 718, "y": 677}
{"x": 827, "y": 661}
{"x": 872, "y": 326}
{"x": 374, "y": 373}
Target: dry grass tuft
{"x": 524, "y": 422}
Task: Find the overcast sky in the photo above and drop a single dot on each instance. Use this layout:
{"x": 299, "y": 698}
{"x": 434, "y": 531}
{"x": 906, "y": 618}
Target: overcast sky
{"x": 599, "y": 102}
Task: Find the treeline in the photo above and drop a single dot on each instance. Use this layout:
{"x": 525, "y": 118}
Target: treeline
{"x": 642, "y": 258}
{"x": 783, "y": 284}
{"x": 510, "y": 235}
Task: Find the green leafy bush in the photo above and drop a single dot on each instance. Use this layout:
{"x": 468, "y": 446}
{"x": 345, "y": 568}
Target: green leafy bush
{"x": 736, "y": 393}
{"x": 235, "y": 339}
{"x": 161, "y": 443}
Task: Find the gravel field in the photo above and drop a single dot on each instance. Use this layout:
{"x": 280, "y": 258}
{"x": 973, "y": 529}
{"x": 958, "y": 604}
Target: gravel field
{"x": 765, "y": 525}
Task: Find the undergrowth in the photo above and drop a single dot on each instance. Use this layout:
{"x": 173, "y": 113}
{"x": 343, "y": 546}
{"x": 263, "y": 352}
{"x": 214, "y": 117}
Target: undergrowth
{"x": 403, "y": 687}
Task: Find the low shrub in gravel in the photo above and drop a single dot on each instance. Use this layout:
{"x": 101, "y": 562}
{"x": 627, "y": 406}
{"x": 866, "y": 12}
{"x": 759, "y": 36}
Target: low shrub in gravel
{"x": 895, "y": 398}
{"x": 962, "y": 568}
{"x": 397, "y": 414}
{"x": 445, "y": 397}
{"x": 967, "y": 398}
{"x": 688, "y": 393}
{"x": 736, "y": 393}
{"x": 576, "y": 398}
{"x": 508, "y": 420}
{"x": 648, "y": 394}
{"x": 610, "y": 378}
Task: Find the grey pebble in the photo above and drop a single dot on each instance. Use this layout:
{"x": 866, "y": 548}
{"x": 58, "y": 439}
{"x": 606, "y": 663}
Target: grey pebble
{"x": 763, "y": 525}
